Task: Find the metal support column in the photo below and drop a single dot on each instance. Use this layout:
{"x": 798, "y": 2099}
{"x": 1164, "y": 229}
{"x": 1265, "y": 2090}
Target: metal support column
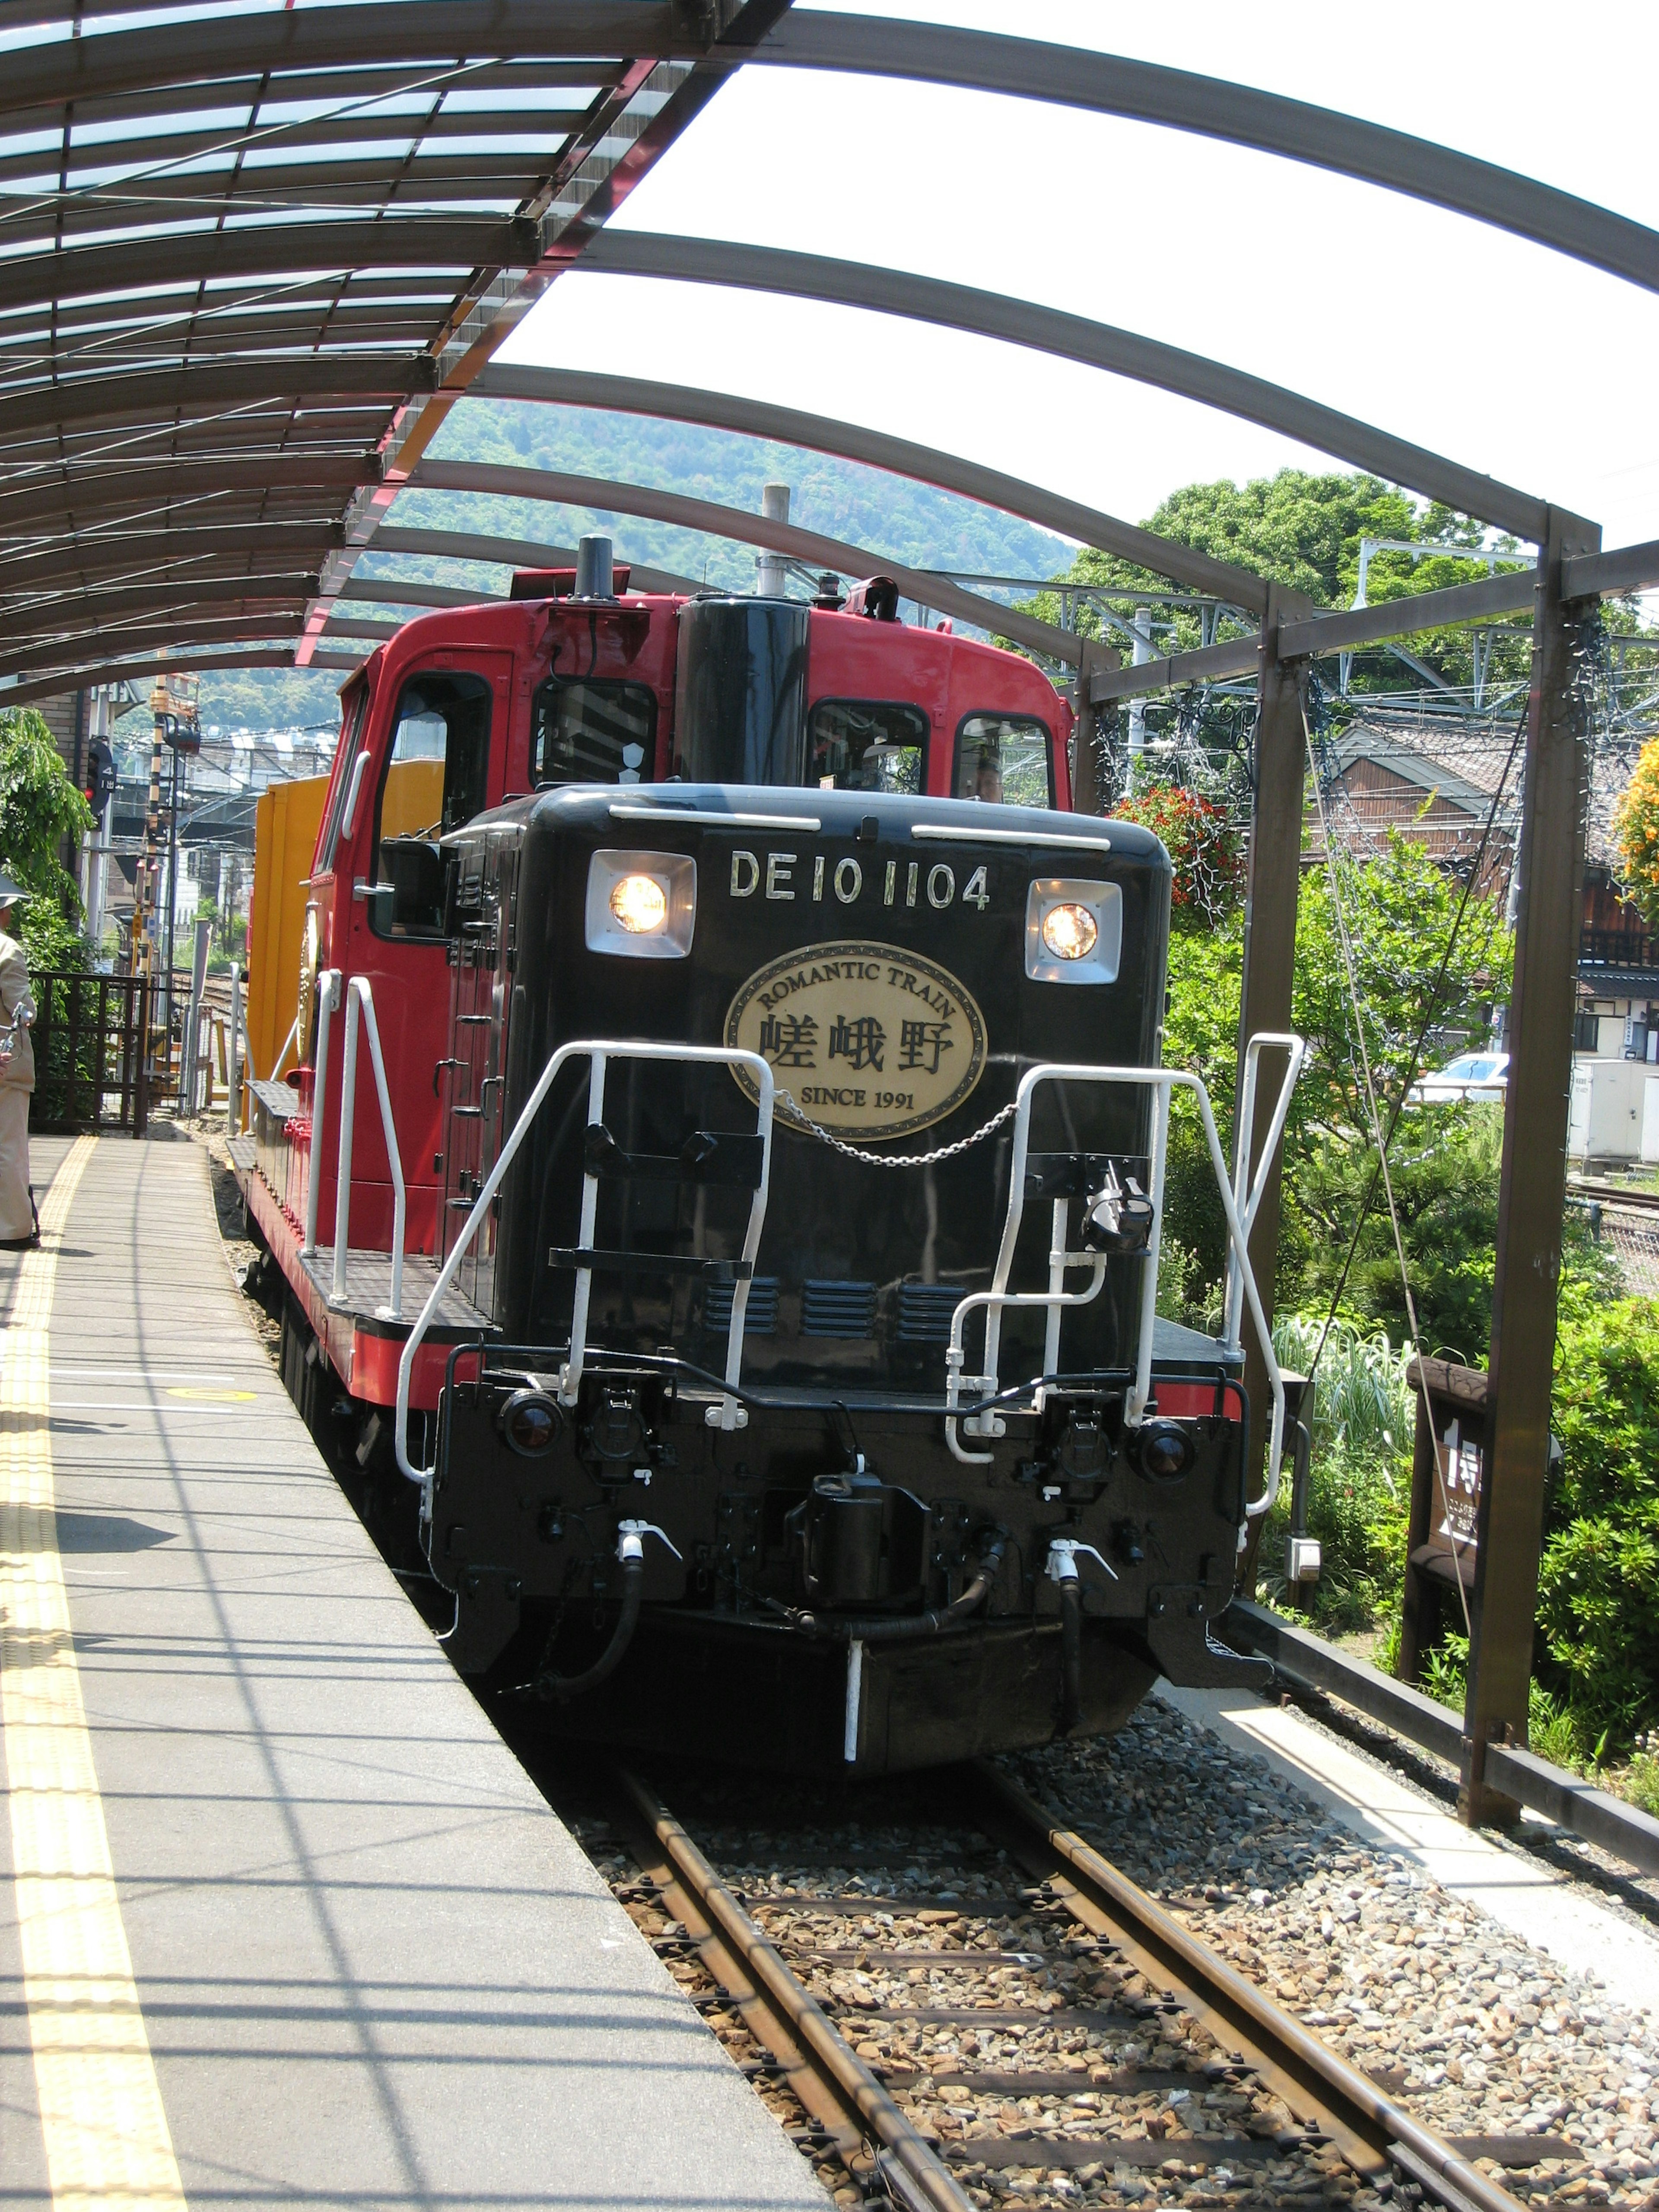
{"x": 1090, "y": 771}
{"x": 1271, "y": 885}
{"x": 1550, "y": 874}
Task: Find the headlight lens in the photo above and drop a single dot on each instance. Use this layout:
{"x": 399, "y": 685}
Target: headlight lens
{"x": 639, "y": 903}
{"x": 530, "y": 1422}
{"x": 1070, "y": 931}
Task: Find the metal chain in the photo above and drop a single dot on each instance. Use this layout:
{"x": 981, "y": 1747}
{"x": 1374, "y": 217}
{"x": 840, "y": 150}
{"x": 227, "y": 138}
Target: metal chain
{"x": 897, "y": 1159}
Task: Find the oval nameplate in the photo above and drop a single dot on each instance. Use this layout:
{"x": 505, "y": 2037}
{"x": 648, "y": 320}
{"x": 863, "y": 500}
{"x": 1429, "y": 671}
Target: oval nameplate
{"x": 870, "y": 1041}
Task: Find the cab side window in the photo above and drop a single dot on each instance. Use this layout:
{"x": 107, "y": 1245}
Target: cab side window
{"x": 437, "y": 777}
{"x": 868, "y": 745}
{"x": 1003, "y": 758}
{"x": 583, "y": 732}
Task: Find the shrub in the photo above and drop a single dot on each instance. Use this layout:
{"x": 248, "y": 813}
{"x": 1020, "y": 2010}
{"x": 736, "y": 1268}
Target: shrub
{"x": 1598, "y": 1597}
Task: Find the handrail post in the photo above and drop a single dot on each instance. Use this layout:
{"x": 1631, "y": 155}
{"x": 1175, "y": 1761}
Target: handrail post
{"x": 328, "y": 998}
{"x": 364, "y": 996}
{"x": 342, "y": 1169}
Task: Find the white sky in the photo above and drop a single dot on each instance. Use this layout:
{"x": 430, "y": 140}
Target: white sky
{"x": 1461, "y": 338}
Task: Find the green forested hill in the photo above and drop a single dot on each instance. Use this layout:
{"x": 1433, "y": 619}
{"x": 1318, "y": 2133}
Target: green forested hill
{"x": 904, "y": 522}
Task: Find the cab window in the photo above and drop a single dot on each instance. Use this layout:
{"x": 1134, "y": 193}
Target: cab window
{"x": 868, "y": 745}
{"x": 583, "y": 732}
{"x": 345, "y": 764}
{"x": 1003, "y": 758}
{"x": 436, "y": 778}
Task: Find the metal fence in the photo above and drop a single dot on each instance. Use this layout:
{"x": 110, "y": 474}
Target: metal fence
{"x": 90, "y": 1062}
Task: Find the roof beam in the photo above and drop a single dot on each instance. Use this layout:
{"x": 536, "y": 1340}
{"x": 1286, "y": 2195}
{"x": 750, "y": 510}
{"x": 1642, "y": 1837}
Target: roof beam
{"x": 237, "y": 44}
{"x": 68, "y": 614}
{"x": 80, "y": 401}
{"x": 1071, "y": 338}
{"x": 134, "y": 265}
{"x": 1625, "y": 569}
{"x": 174, "y": 630}
{"x": 1110, "y": 84}
{"x": 77, "y": 497}
{"x": 1183, "y": 564}
{"x": 136, "y": 552}
{"x": 1345, "y": 629}
{"x": 500, "y": 552}
{"x": 928, "y": 591}
{"x": 76, "y": 676}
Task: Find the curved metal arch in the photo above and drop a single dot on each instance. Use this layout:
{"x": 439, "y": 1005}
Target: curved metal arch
{"x": 607, "y": 498}
{"x": 236, "y": 44}
{"x": 1209, "y": 107}
{"x": 76, "y": 676}
{"x": 455, "y": 244}
{"x": 70, "y": 616}
{"x": 137, "y": 552}
{"x": 65, "y": 496}
{"x": 69, "y": 651}
{"x": 500, "y": 552}
{"x": 757, "y": 418}
{"x": 85, "y": 401}
{"x": 1070, "y": 337}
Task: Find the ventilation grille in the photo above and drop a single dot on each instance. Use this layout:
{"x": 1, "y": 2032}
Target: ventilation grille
{"x": 837, "y": 1309}
{"x": 925, "y": 1311}
{"x": 760, "y": 1316}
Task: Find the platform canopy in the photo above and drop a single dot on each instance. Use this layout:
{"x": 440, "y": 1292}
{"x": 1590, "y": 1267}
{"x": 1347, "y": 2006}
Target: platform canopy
{"x": 250, "y": 257}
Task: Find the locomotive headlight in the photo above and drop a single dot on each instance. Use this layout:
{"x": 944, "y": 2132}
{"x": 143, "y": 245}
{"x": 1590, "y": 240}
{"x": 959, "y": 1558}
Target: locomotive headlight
{"x": 1073, "y": 930}
{"x": 529, "y": 1420}
{"x": 639, "y": 902}
{"x": 1070, "y": 931}
{"x": 643, "y": 905}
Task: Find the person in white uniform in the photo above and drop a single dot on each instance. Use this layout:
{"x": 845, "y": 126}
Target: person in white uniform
{"x": 20, "y": 1227}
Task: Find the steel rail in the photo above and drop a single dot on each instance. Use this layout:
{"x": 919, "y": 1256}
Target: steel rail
{"x": 824, "y": 2049}
{"x": 1238, "y": 114}
{"x": 1362, "y": 2119}
{"x": 1040, "y": 329}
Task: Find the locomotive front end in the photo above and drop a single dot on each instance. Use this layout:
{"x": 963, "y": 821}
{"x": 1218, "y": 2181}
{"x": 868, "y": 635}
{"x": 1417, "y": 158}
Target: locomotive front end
{"x": 823, "y": 1425}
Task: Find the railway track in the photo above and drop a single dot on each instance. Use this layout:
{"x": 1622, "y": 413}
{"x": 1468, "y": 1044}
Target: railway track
{"x": 1096, "y": 2047}
{"x": 1613, "y": 1193}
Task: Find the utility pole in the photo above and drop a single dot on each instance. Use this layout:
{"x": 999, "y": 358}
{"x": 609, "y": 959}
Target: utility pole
{"x": 1532, "y": 1188}
{"x": 1271, "y": 885}
{"x": 1141, "y": 626}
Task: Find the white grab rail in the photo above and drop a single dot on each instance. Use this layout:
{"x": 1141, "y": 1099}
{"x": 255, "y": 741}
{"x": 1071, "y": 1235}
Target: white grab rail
{"x": 328, "y": 1000}
{"x": 727, "y": 1414}
{"x": 1247, "y": 1199}
{"x": 1161, "y": 1082}
{"x": 359, "y": 994}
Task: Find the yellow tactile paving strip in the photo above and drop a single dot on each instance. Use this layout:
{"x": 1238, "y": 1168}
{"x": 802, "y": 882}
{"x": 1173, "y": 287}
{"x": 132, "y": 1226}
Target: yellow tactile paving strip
{"x": 106, "y": 2138}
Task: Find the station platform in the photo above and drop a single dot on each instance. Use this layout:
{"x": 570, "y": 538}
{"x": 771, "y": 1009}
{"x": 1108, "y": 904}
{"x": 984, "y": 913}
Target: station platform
{"x": 282, "y": 1920}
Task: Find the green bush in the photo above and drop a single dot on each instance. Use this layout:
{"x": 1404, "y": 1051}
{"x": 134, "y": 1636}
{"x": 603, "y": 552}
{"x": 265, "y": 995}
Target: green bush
{"x": 1598, "y": 1595}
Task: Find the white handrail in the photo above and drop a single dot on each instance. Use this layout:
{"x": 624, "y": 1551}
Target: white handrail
{"x": 1248, "y": 1199}
{"x": 328, "y": 999}
{"x": 1162, "y": 1082}
{"x": 600, "y": 1050}
{"x": 360, "y": 994}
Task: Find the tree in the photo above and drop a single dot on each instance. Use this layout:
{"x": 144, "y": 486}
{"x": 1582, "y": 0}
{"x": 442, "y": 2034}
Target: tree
{"x": 40, "y": 810}
{"x": 1636, "y": 827}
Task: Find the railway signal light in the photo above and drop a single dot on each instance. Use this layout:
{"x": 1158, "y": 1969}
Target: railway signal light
{"x": 100, "y": 781}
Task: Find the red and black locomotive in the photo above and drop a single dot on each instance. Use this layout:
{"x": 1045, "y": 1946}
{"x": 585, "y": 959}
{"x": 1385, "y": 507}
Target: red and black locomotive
{"x": 769, "y": 1146}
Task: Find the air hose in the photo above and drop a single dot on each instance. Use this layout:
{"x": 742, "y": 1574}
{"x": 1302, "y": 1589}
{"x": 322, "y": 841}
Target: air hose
{"x": 1071, "y": 1654}
{"x": 630, "y": 1551}
{"x": 906, "y": 1627}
